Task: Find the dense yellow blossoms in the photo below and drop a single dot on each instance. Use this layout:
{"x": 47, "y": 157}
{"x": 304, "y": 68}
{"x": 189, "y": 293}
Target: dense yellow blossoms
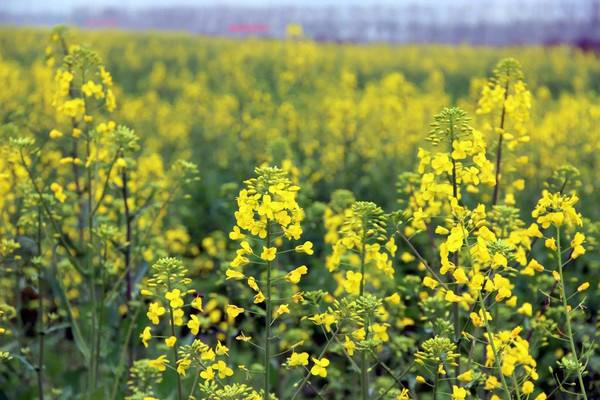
{"x": 476, "y": 278}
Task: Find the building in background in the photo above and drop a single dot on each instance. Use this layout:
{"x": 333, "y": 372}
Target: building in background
{"x": 499, "y": 22}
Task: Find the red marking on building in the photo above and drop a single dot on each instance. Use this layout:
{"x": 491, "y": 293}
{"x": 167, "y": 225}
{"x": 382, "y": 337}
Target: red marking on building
{"x": 101, "y": 23}
{"x": 248, "y": 28}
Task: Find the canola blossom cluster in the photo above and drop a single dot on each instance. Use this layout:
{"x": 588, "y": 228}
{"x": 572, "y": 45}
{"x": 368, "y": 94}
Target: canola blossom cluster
{"x": 193, "y": 218}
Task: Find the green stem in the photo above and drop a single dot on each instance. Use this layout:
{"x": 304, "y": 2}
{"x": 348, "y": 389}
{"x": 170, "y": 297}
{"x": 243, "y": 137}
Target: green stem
{"x": 493, "y": 345}
{"x": 499, "y": 148}
{"x": 516, "y": 386}
{"x": 175, "y": 355}
{"x": 364, "y": 368}
{"x": 455, "y": 307}
{"x": 567, "y": 314}
{"x": 175, "y": 347}
{"x": 436, "y": 380}
{"x": 267, "y": 360}
{"x": 92, "y": 271}
{"x": 41, "y": 312}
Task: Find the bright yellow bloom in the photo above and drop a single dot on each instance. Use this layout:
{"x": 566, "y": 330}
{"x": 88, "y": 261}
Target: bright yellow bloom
{"x": 352, "y": 282}
{"x": 466, "y": 376}
{"x": 208, "y": 374}
{"x": 458, "y": 393}
{"x": 268, "y": 253}
{"x": 170, "y": 341}
{"x": 55, "y": 134}
{"x": 430, "y": 282}
{"x": 233, "y": 311}
{"x": 174, "y": 297}
{"x": 452, "y": 297}
{"x": 577, "y": 245}
{"x": 297, "y": 359}
{"x": 197, "y": 303}
{"x": 551, "y": 244}
{"x": 306, "y": 247}
{"x": 160, "y": 363}
{"x": 194, "y": 324}
{"x": 320, "y": 367}
{"x": 146, "y": 335}
{"x": 527, "y": 387}
{"x": 282, "y": 309}
{"x": 526, "y": 309}
{"x": 222, "y": 369}
{"x": 295, "y": 275}
{"x": 233, "y": 274}
{"x": 155, "y": 310}
{"x": 583, "y": 287}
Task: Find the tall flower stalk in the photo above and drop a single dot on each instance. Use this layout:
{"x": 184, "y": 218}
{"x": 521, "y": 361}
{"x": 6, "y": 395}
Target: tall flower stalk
{"x": 268, "y": 215}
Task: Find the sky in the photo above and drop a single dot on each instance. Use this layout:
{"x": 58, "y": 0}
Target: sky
{"x": 67, "y": 5}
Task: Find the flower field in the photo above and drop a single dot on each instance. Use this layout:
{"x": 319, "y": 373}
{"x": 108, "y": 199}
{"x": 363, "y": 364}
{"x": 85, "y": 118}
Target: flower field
{"x": 201, "y": 218}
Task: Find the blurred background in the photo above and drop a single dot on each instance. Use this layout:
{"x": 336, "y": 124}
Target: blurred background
{"x": 486, "y": 22}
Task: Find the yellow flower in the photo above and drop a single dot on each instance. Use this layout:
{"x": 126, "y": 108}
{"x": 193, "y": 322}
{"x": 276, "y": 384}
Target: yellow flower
{"x": 160, "y": 363}
{"x": 320, "y": 367}
{"x": 243, "y": 338}
{"x": 55, "y": 134}
{"x": 58, "y": 191}
{"x": 259, "y": 298}
{"x": 307, "y": 248}
{"x": 194, "y": 324}
{"x": 458, "y": 393}
{"x": 236, "y": 234}
{"x": 349, "y": 346}
{"x": 90, "y": 88}
{"x": 297, "y": 359}
{"x": 455, "y": 239}
{"x": 550, "y": 243}
{"x": 583, "y": 287}
{"x": 208, "y": 374}
{"x": 233, "y": 311}
{"x": 282, "y": 309}
{"x": 460, "y": 276}
{"x": 233, "y": 274}
{"x": 146, "y": 335}
{"x": 174, "y": 297}
{"x": 352, "y": 282}
{"x": 324, "y": 319}
{"x": 252, "y": 284}
{"x": 155, "y": 310}
{"x": 295, "y": 275}
{"x": 393, "y": 299}
{"x": 491, "y": 383}
{"x": 170, "y": 341}
{"x": 526, "y": 309}
{"x": 532, "y": 267}
{"x": 421, "y": 379}
{"x": 430, "y": 282}
{"x": 183, "y": 365}
{"x": 221, "y": 349}
{"x": 391, "y": 247}
{"x": 268, "y": 253}
{"x": 380, "y": 332}
{"x": 466, "y": 376}
{"x": 407, "y": 257}
{"x": 452, "y": 297}
{"x": 577, "y": 245}
{"x": 197, "y": 303}
{"x": 527, "y": 387}
{"x": 222, "y": 369}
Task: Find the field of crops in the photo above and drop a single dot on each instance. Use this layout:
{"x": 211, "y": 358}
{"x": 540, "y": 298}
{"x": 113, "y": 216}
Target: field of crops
{"x": 202, "y": 218}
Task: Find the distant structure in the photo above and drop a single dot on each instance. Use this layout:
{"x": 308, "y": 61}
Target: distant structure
{"x": 478, "y": 22}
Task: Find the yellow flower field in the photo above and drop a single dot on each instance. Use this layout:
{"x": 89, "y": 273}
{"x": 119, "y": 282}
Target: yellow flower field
{"x": 201, "y": 218}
